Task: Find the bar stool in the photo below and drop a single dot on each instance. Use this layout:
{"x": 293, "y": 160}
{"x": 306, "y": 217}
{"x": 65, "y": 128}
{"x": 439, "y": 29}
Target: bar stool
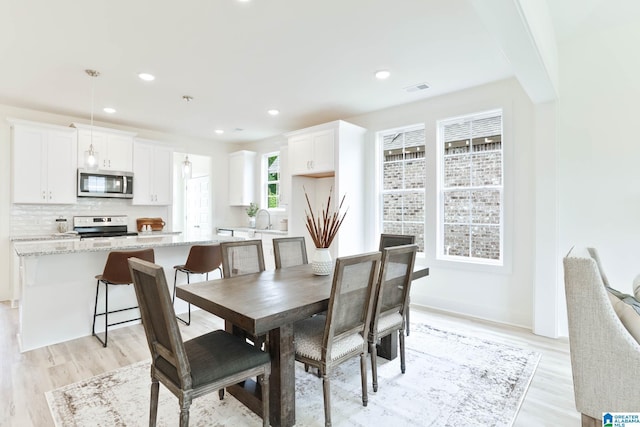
{"x": 116, "y": 272}
{"x": 201, "y": 260}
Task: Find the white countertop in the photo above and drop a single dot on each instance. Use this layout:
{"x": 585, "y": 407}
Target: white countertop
{"x": 43, "y": 247}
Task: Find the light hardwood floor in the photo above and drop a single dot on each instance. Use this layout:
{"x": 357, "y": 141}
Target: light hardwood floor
{"x": 25, "y": 377}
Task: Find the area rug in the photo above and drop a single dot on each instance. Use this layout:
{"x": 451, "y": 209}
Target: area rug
{"x": 451, "y": 380}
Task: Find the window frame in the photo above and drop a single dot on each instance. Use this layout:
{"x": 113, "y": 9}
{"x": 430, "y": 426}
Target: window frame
{"x": 264, "y": 181}
{"x": 379, "y": 159}
{"x": 440, "y": 255}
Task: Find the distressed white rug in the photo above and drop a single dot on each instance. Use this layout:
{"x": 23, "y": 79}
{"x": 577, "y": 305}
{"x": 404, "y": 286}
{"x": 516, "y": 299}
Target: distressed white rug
{"x": 451, "y": 380}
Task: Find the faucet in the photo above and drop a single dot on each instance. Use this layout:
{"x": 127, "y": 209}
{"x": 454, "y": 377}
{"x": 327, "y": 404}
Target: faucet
{"x": 268, "y": 226}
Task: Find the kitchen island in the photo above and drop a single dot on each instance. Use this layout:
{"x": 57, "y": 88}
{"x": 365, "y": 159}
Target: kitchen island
{"x": 57, "y": 283}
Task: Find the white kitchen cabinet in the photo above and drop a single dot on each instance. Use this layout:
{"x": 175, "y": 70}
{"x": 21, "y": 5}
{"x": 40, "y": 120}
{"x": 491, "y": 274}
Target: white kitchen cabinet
{"x": 43, "y": 163}
{"x": 114, "y": 147}
{"x": 312, "y": 153}
{"x": 152, "y": 173}
{"x": 345, "y": 142}
{"x": 242, "y": 165}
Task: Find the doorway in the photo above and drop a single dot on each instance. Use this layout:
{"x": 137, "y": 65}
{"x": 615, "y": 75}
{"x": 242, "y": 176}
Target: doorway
{"x": 192, "y": 196}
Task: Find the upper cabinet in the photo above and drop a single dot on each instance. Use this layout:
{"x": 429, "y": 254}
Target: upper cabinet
{"x": 152, "y": 173}
{"x": 311, "y": 152}
{"x": 324, "y": 158}
{"x": 114, "y": 147}
{"x": 43, "y": 163}
{"x": 242, "y": 165}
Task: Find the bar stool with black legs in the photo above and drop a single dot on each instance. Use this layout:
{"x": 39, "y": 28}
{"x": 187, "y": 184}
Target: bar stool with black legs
{"x": 202, "y": 259}
{"x": 116, "y": 273}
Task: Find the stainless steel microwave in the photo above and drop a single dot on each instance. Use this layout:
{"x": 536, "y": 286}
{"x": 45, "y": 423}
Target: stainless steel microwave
{"x": 100, "y": 183}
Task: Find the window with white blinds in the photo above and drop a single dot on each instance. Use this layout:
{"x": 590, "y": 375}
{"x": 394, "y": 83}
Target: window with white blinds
{"x": 471, "y": 188}
{"x": 403, "y": 182}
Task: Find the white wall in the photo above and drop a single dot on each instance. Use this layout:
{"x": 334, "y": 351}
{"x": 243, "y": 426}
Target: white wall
{"x": 599, "y": 148}
{"x": 503, "y": 296}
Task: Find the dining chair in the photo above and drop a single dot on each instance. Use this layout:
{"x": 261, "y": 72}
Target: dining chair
{"x": 290, "y": 251}
{"x": 115, "y": 273}
{"x": 388, "y": 240}
{"x": 242, "y": 257}
{"x": 325, "y": 341}
{"x": 202, "y": 259}
{"x": 193, "y": 368}
{"x": 391, "y": 301}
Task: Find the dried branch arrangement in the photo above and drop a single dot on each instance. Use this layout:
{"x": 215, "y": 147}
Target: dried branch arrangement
{"x": 324, "y": 228}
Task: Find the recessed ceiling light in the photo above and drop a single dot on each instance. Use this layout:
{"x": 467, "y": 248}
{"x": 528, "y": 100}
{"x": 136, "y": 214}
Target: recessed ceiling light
{"x": 109, "y": 110}
{"x": 382, "y": 74}
{"x": 273, "y": 112}
{"x": 146, "y": 77}
{"x": 219, "y": 131}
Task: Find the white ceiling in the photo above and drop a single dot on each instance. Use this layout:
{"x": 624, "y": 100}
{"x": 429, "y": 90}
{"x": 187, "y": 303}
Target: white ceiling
{"x": 312, "y": 60}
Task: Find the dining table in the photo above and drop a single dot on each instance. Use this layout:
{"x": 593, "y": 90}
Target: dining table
{"x": 268, "y": 303}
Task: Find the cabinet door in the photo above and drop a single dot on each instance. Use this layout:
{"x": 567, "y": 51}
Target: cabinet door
{"x": 61, "y": 167}
{"x": 142, "y": 161}
{"x": 323, "y": 151}
{"x": 29, "y": 165}
{"x": 300, "y": 154}
{"x": 241, "y": 178}
{"x": 120, "y": 153}
{"x": 162, "y": 177}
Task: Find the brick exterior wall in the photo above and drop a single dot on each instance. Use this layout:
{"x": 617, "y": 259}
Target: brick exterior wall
{"x": 404, "y": 172}
{"x": 472, "y": 215}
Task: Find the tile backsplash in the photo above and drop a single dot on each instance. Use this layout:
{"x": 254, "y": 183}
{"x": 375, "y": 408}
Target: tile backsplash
{"x": 34, "y": 220}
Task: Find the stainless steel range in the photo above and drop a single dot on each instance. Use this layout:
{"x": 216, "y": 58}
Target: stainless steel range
{"x": 102, "y": 226}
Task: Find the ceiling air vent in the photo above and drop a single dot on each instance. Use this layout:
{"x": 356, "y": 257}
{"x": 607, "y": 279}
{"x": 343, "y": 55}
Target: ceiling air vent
{"x": 415, "y": 88}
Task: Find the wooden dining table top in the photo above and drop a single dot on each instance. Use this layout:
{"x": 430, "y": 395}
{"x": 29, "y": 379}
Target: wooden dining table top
{"x": 262, "y": 301}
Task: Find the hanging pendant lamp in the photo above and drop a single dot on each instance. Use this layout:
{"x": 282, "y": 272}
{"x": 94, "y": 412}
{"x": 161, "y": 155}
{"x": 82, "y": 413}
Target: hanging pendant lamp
{"x": 91, "y": 155}
{"x": 187, "y": 168}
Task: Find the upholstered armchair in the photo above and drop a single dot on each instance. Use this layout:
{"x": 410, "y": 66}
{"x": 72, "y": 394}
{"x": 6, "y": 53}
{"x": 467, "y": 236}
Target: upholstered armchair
{"x": 605, "y": 358}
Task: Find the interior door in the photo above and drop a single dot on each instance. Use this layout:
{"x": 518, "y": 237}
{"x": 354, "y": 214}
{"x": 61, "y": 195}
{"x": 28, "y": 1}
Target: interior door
{"x": 198, "y": 214}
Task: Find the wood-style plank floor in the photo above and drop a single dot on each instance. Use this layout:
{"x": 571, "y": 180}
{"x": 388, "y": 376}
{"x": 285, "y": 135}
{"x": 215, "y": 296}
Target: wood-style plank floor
{"x": 25, "y": 377}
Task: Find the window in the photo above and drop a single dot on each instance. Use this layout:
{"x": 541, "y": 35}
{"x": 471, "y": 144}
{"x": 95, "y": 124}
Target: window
{"x": 403, "y": 182}
{"x": 471, "y": 187}
{"x": 271, "y": 180}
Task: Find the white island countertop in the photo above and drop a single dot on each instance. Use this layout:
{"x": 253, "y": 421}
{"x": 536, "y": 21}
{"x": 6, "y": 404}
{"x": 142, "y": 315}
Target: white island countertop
{"x": 38, "y": 248}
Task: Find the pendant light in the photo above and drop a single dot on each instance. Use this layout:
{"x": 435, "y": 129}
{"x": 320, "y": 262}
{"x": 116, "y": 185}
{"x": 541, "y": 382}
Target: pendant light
{"x": 187, "y": 168}
{"x": 91, "y": 156}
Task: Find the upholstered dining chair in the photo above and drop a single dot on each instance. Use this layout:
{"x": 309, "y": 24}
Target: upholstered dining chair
{"x": 115, "y": 273}
{"x": 604, "y": 353}
{"x": 290, "y": 251}
{"x": 391, "y": 301}
{"x": 327, "y": 341}
{"x": 202, "y": 259}
{"x": 242, "y": 257}
{"x": 388, "y": 240}
{"x": 196, "y": 367}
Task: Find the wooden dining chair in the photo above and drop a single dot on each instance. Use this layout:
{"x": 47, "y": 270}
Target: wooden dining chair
{"x": 242, "y": 257}
{"x": 196, "y": 367}
{"x": 388, "y": 240}
{"x": 391, "y": 301}
{"x": 290, "y": 251}
{"x": 325, "y": 341}
{"x": 202, "y": 259}
{"x": 239, "y": 258}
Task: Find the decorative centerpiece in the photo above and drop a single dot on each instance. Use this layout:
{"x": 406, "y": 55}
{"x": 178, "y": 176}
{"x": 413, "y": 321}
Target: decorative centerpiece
{"x": 252, "y": 210}
{"x": 323, "y": 230}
